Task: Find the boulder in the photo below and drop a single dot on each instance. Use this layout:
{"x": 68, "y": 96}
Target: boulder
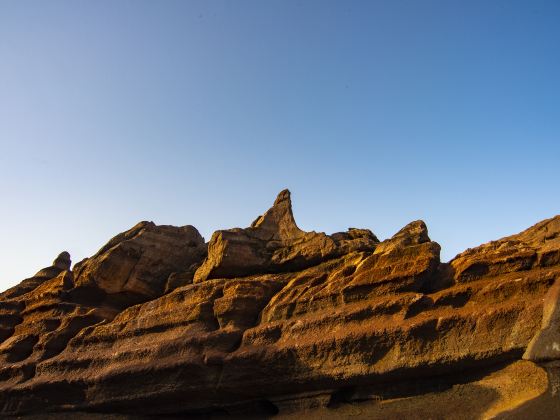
{"x": 140, "y": 260}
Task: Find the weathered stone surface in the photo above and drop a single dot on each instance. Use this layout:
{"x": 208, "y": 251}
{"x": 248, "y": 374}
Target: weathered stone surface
{"x": 40, "y": 316}
{"x": 273, "y": 243}
{"x": 536, "y": 247}
{"x": 60, "y": 264}
{"x": 140, "y": 260}
{"x": 278, "y": 319}
{"x": 545, "y": 346}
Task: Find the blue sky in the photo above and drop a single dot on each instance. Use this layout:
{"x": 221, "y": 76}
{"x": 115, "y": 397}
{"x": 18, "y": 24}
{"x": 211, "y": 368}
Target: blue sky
{"x": 373, "y": 113}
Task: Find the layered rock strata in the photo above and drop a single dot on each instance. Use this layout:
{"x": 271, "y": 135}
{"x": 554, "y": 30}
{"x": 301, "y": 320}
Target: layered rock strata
{"x": 274, "y": 320}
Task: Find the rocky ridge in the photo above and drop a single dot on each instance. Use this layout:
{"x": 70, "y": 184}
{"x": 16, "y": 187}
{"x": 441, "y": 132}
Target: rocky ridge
{"x": 272, "y": 320}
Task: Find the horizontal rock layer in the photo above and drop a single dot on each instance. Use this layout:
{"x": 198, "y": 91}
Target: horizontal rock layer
{"x": 265, "y": 318}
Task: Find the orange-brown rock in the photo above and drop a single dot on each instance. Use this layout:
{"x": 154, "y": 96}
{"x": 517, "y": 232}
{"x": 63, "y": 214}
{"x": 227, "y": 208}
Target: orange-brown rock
{"x": 538, "y": 246}
{"x": 273, "y": 243}
{"x": 279, "y": 320}
{"x": 545, "y": 345}
{"x": 60, "y": 264}
{"x": 140, "y": 260}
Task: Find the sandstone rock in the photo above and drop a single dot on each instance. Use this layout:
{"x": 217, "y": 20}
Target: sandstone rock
{"x": 273, "y": 243}
{"x": 39, "y": 317}
{"x": 355, "y": 240}
{"x": 288, "y": 320}
{"x": 545, "y": 346}
{"x": 415, "y": 233}
{"x": 140, "y": 260}
{"x": 538, "y": 246}
{"x": 61, "y": 263}
{"x": 182, "y": 278}
{"x": 278, "y": 223}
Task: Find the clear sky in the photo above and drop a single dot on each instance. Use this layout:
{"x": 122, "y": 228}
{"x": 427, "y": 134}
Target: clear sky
{"x": 373, "y": 113}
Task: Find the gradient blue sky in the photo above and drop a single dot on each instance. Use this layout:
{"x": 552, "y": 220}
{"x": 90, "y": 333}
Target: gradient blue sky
{"x": 373, "y": 113}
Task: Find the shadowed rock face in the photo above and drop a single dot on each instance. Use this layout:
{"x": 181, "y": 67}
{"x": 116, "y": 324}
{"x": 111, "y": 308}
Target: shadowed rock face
{"x": 545, "y": 346}
{"x": 277, "y": 319}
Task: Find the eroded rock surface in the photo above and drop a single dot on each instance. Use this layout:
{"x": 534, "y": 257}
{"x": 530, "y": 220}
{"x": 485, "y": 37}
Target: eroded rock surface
{"x": 140, "y": 260}
{"x": 545, "y": 346}
{"x": 275, "y": 319}
{"x": 60, "y": 264}
{"x": 536, "y": 247}
{"x": 273, "y": 243}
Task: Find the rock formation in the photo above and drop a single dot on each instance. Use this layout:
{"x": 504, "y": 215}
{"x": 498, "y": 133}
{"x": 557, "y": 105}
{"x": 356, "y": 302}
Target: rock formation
{"x": 140, "y": 260}
{"x": 545, "y": 345}
{"x": 60, "y": 264}
{"x": 274, "y": 320}
{"x": 273, "y": 243}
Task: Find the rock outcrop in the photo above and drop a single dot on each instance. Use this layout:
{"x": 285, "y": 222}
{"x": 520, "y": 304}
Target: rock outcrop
{"x": 274, "y": 244}
{"x": 538, "y": 246}
{"x": 274, "y": 320}
{"x": 60, "y": 264}
{"x": 140, "y": 260}
{"x": 545, "y": 345}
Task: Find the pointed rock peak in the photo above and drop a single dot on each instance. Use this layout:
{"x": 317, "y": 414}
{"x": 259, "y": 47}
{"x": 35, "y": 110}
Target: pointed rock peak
{"x": 141, "y": 225}
{"x": 63, "y": 261}
{"x": 283, "y": 195}
{"x": 412, "y": 234}
{"x": 278, "y": 222}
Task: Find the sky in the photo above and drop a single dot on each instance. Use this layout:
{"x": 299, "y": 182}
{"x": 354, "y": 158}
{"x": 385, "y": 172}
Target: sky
{"x": 373, "y": 113}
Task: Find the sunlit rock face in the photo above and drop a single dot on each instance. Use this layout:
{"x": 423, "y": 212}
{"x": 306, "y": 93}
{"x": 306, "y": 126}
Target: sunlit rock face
{"x": 273, "y": 243}
{"x": 270, "y": 319}
{"x": 536, "y": 247}
{"x": 140, "y": 260}
{"x": 60, "y": 264}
